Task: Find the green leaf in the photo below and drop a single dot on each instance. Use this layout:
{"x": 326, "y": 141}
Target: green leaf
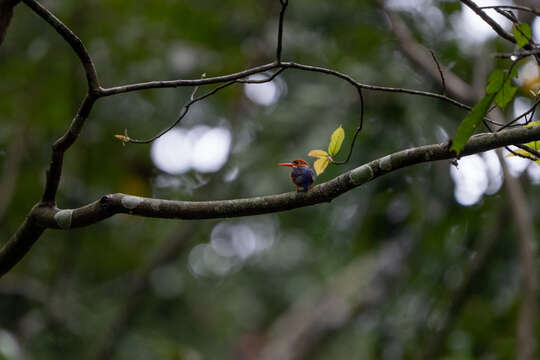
{"x": 320, "y": 165}
{"x": 318, "y": 153}
{"x": 522, "y": 34}
{"x": 470, "y": 123}
{"x": 506, "y": 95}
{"x": 335, "y": 141}
{"x": 495, "y": 81}
{"x": 500, "y": 83}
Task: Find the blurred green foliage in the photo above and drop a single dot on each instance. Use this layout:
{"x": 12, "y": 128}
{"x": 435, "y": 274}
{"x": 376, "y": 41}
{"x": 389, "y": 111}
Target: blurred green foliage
{"x": 63, "y": 299}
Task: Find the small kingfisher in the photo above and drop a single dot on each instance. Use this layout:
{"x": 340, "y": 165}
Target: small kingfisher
{"x": 301, "y": 175}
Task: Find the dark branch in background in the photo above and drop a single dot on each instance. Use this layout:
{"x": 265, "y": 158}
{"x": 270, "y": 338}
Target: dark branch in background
{"x": 484, "y": 245}
{"x": 72, "y": 40}
{"x": 6, "y": 13}
{"x": 139, "y": 283}
{"x": 284, "y": 4}
{"x": 418, "y": 55}
{"x": 359, "y": 287}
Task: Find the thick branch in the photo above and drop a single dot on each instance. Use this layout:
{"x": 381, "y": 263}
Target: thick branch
{"x": 19, "y": 244}
{"x": 72, "y": 39}
{"x": 112, "y": 204}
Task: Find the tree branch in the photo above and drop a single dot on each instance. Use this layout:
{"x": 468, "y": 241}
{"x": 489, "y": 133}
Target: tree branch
{"x": 284, "y": 4}
{"x": 20, "y": 243}
{"x": 109, "y": 205}
{"x": 513, "y": 7}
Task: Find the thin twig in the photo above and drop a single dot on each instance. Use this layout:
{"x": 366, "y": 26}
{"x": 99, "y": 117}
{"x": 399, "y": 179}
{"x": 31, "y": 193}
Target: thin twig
{"x": 440, "y": 71}
{"x": 357, "y": 131}
{"x": 530, "y": 111}
{"x": 508, "y": 14}
{"x": 284, "y": 4}
{"x": 183, "y": 113}
{"x": 514, "y": 7}
{"x": 517, "y": 55}
{"x": 193, "y": 100}
{"x": 260, "y": 81}
{"x": 374, "y": 87}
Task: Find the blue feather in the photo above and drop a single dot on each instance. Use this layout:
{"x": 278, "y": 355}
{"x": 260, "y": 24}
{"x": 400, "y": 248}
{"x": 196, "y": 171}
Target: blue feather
{"x": 302, "y": 176}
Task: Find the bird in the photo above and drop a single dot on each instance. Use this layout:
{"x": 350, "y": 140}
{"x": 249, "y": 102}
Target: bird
{"x": 301, "y": 175}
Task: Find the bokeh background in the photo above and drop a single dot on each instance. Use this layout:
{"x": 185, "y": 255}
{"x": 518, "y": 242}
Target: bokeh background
{"x": 370, "y": 275}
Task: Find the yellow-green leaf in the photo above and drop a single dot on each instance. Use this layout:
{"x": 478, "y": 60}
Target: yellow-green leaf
{"x": 534, "y": 123}
{"x": 321, "y": 164}
{"x": 335, "y": 141}
{"x": 318, "y": 153}
{"x": 520, "y": 152}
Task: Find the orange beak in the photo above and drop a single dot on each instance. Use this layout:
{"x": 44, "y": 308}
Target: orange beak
{"x": 285, "y": 164}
